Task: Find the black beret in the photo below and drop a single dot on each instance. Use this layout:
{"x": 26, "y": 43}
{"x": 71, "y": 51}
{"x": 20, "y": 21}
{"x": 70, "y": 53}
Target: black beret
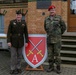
{"x": 18, "y": 12}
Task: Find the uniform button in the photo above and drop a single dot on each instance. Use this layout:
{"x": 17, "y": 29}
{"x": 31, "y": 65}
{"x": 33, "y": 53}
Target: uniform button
{"x": 18, "y": 34}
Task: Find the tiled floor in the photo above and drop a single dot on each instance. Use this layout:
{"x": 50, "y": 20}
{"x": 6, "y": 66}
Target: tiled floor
{"x": 5, "y": 62}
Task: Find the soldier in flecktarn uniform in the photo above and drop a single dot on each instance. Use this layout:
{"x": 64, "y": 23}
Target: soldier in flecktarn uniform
{"x": 54, "y": 27}
{"x": 17, "y": 30}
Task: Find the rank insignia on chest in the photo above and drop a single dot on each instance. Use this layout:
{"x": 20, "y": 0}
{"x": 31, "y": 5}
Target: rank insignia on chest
{"x": 23, "y": 24}
{"x": 14, "y": 23}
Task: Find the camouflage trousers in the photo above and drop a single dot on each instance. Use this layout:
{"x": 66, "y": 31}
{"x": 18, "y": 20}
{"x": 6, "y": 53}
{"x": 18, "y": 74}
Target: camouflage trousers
{"x": 54, "y": 53}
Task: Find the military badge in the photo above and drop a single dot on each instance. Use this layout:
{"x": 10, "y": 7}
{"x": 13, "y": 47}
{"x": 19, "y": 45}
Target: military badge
{"x": 23, "y": 25}
{"x": 36, "y": 52}
{"x": 14, "y": 23}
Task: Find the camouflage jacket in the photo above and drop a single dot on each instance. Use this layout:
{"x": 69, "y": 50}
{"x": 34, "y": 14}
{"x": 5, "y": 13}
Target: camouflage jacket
{"x": 54, "y": 28}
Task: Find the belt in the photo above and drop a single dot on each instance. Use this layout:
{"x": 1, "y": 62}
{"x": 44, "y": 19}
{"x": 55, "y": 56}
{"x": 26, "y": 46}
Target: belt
{"x": 18, "y": 34}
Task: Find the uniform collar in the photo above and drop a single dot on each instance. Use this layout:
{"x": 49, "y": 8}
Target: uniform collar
{"x": 52, "y": 16}
{"x": 17, "y": 21}
{"x": 49, "y": 17}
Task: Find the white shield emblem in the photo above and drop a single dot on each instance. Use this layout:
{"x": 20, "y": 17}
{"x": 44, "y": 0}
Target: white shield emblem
{"x": 36, "y": 52}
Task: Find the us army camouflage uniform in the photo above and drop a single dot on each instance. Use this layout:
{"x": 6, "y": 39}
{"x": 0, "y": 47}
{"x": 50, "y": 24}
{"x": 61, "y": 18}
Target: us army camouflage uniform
{"x": 54, "y": 27}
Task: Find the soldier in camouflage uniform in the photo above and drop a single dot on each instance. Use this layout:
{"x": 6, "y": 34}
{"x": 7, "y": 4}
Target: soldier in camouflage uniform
{"x": 54, "y": 27}
{"x": 15, "y": 38}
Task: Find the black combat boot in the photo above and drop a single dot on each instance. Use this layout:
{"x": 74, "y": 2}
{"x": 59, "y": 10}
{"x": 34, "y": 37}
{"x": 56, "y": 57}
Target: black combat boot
{"x": 19, "y": 70}
{"x": 13, "y": 71}
{"x": 51, "y": 68}
{"x": 58, "y": 69}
